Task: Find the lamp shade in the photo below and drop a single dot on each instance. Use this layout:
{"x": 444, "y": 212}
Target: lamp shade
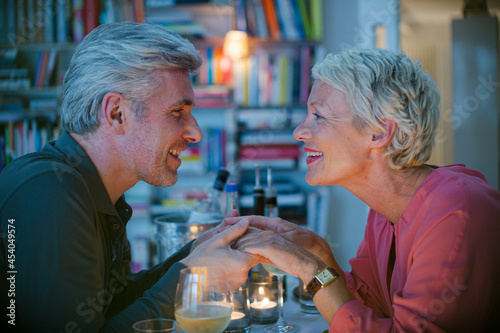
{"x": 236, "y": 44}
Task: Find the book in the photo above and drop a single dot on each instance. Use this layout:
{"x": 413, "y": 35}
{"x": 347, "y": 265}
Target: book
{"x": 78, "y": 25}
{"x": 269, "y": 151}
{"x": 91, "y": 15}
{"x": 62, "y": 21}
{"x": 278, "y": 164}
{"x": 241, "y": 16}
{"x": 316, "y": 7}
{"x": 266, "y": 137}
{"x": 260, "y": 19}
{"x": 11, "y": 21}
{"x": 304, "y": 67}
{"x": 49, "y": 28}
{"x": 272, "y": 19}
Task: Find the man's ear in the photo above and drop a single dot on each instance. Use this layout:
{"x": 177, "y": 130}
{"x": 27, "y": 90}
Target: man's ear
{"x": 113, "y": 106}
{"x": 380, "y": 140}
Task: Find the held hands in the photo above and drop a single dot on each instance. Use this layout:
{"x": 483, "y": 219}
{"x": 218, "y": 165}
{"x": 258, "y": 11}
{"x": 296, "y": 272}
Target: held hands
{"x": 293, "y": 233}
{"x": 213, "y": 248}
{"x": 274, "y": 249}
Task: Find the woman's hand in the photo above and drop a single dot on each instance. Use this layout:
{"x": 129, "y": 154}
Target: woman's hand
{"x": 279, "y": 252}
{"x": 293, "y": 233}
{"x": 216, "y": 251}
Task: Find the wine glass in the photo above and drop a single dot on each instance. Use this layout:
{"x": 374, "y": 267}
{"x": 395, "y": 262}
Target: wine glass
{"x": 281, "y": 326}
{"x": 203, "y": 300}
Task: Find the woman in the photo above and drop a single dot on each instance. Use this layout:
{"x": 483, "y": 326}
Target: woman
{"x": 428, "y": 261}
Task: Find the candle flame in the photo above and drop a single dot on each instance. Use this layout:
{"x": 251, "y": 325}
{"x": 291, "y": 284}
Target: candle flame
{"x": 265, "y": 301}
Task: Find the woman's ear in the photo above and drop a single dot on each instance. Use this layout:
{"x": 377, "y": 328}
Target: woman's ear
{"x": 113, "y": 108}
{"x": 380, "y": 140}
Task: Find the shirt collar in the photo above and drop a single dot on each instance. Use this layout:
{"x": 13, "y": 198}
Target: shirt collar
{"x": 76, "y": 157}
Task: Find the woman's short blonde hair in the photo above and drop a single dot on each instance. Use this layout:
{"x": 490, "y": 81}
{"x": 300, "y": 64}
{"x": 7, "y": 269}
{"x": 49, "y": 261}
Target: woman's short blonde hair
{"x": 381, "y": 84}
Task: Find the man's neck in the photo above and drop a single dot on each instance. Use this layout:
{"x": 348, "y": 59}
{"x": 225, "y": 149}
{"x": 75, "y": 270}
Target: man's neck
{"x": 108, "y": 162}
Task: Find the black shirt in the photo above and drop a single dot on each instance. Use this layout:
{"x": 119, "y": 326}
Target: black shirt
{"x": 64, "y": 245}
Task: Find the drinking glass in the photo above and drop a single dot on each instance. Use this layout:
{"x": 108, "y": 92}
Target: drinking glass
{"x": 203, "y": 300}
{"x": 281, "y": 326}
{"x": 159, "y": 325}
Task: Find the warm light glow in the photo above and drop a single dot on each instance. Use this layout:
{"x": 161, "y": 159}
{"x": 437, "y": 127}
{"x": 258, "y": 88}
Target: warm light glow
{"x": 266, "y": 304}
{"x": 237, "y": 315}
{"x": 236, "y": 44}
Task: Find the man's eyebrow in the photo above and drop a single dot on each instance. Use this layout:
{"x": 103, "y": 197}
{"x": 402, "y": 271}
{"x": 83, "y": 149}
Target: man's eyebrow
{"x": 181, "y": 103}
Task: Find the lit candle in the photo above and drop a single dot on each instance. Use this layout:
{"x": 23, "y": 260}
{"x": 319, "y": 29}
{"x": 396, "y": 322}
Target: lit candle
{"x": 264, "y": 312}
{"x": 239, "y": 322}
{"x": 237, "y": 315}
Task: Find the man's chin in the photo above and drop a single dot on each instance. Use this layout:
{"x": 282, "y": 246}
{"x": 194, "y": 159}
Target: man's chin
{"x": 165, "y": 181}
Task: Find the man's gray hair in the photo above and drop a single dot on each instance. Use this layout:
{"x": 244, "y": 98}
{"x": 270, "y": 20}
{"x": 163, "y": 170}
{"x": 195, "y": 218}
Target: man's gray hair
{"x": 380, "y": 84}
{"x": 122, "y": 57}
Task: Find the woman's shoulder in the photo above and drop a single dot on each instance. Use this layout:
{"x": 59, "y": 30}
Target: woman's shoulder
{"x": 456, "y": 181}
{"x": 455, "y": 191}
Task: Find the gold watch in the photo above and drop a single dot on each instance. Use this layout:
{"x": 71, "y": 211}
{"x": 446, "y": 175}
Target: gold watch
{"x": 321, "y": 279}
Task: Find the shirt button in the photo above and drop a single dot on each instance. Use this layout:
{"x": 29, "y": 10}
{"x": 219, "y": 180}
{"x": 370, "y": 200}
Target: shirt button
{"x": 116, "y": 226}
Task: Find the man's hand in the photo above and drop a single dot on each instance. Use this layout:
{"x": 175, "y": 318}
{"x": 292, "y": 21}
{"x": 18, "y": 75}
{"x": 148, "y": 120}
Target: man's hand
{"x": 216, "y": 251}
{"x": 214, "y": 231}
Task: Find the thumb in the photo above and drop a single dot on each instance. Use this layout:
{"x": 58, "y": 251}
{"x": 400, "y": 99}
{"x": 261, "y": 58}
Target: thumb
{"x": 233, "y": 213}
{"x": 227, "y": 236}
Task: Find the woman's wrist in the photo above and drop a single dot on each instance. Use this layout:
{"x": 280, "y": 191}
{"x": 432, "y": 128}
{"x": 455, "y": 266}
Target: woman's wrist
{"x": 309, "y": 269}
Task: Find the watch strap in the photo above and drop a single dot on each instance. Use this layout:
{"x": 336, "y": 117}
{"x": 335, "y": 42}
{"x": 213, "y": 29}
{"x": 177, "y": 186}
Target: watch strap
{"x": 315, "y": 285}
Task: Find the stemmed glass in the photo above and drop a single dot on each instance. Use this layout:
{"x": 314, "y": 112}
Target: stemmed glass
{"x": 203, "y": 300}
{"x": 281, "y": 326}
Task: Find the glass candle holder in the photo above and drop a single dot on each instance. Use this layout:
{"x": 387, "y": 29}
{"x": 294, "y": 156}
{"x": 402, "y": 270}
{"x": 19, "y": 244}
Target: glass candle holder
{"x": 240, "y": 318}
{"x": 262, "y": 294}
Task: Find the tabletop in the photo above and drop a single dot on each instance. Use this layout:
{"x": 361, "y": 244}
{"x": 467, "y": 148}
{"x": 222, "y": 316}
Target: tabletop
{"x": 308, "y": 323}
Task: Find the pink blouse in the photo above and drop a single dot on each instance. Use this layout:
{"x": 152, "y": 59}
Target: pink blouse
{"x": 446, "y": 276}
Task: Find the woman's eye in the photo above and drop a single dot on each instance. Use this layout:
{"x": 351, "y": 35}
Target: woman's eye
{"x": 317, "y": 115}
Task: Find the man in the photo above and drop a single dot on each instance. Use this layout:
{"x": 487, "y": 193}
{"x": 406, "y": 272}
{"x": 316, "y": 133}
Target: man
{"x": 126, "y": 112}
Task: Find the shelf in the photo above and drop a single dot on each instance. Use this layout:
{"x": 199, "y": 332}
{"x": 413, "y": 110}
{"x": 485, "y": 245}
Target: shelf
{"x": 34, "y": 92}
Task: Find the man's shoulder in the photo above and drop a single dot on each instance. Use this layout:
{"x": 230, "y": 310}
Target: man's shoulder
{"x": 41, "y": 169}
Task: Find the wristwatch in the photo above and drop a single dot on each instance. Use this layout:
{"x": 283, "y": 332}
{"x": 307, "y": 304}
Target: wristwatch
{"x": 321, "y": 279}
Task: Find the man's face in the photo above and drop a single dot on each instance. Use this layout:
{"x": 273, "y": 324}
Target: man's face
{"x": 156, "y": 141}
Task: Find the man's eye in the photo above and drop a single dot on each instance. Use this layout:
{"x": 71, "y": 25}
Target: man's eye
{"x": 317, "y": 115}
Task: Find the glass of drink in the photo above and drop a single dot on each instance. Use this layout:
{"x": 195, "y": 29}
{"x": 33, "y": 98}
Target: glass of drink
{"x": 156, "y": 325}
{"x": 203, "y": 300}
{"x": 281, "y": 326}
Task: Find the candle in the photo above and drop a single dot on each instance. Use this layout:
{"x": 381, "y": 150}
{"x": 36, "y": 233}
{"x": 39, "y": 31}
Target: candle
{"x": 264, "y": 312}
{"x": 239, "y": 322}
{"x": 237, "y": 315}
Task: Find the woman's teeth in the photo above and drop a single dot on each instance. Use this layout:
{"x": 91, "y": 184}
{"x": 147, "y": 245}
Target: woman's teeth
{"x": 311, "y": 154}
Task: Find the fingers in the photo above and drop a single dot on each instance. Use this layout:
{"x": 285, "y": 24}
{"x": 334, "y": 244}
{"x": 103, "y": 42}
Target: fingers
{"x": 233, "y": 213}
{"x": 230, "y": 234}
{"x": 261, "y": 222}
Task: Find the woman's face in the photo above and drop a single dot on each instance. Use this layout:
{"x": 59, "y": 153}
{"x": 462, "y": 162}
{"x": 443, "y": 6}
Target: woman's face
{"x": 337, "y": 154}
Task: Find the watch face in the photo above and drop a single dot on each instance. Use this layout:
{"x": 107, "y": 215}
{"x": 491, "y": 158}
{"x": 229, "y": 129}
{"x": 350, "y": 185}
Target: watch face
{"x": 325, "y": 276}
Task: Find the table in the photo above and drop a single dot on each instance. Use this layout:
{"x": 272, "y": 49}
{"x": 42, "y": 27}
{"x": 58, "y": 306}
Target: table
{"x": 309, "y": 323}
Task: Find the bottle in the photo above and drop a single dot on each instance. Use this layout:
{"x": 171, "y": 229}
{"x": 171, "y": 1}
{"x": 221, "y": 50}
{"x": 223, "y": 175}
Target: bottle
{"x": 258, "y": 194}
{"x": 271, "y": 201}
{"x": 232, "y": 197}
{"x": 209, "y": 208}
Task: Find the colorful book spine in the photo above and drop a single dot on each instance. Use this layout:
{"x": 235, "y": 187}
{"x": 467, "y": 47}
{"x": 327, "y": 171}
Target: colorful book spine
{"x": 316, "y": 7}
{"x": 91, "y": 15}
{"x": 272, "y": 19}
